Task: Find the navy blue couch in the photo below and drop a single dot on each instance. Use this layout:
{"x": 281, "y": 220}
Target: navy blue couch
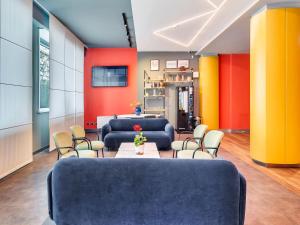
{"x": 121, "y": 130}
{"x": 146, "y": 192}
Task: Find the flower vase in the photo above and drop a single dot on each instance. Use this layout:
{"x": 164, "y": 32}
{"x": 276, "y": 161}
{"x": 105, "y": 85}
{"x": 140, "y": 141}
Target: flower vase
{"x": 139, "y": 150}
{"x": 138, "y": 110}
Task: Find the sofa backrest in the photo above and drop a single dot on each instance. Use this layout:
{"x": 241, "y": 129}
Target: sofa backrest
{"x": 146, "y": 191}
{"x": 151, "y": 124}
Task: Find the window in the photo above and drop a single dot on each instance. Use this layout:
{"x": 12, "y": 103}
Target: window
{"x": 44, "y": 70}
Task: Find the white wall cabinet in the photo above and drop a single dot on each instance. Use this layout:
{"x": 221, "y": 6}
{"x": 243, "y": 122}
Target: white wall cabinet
{"x": 66, "y": 92}
{"x": 70, "y": 103}
{"x": 79, "y": 82}
{"x": 16, "y": 22}
{"x": 57, "y": 75}
{"x": 15, "y": 148}
{"x": 79, "y": 103}
{"x": 57, "y": 104}
{"x": 15, "y": 85}
{"x": 15, "y": 105}
{"x": 57, "y": 40}
{"x": 79, "y": 56}
{"x": 70, "y": 50}
{"x": 69, "y": 79}
{"x": 16, "y": 64}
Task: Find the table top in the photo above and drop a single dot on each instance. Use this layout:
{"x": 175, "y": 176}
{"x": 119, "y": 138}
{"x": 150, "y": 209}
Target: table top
{"x": 136, "y": 116}
{"x": 126, "y": 150}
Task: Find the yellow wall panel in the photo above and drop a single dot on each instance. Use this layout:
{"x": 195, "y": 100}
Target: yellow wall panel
{"x": 293, "y": 85}
{"x": 276, "y": 64}
{"x": 209, "y": 91}
{"x": 258, "y": 84}
{"x": 275, "y": 86}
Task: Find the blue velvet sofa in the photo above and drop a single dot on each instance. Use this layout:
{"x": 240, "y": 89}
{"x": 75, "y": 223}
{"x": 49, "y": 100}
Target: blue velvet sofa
{"x": 156, "y": 130}
{"x": 146, "y": 192}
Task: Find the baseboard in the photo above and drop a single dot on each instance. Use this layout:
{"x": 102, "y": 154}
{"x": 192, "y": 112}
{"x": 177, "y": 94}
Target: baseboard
{"x": 41, "y": 150}
{"x": 272, "y": 165}
{"x": 15, "y": 169}
{"x": 236, "y": 131}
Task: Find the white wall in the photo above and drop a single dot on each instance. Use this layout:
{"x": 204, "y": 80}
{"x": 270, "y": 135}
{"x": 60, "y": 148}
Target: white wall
{"x": 15, "y": 85}
{"x": 66, "y": 74}
{"x": 66, "y": 82}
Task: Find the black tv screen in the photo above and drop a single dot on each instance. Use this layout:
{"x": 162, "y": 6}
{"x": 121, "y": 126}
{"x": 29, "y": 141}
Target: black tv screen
{"x": 109, "y": 76}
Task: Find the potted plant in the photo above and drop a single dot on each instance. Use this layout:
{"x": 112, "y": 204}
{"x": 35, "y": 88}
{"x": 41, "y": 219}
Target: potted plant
{"x": 139, "y": 140}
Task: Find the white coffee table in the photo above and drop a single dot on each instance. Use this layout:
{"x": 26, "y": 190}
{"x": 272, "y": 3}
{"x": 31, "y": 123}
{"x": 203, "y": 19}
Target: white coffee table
{"x": 126, "y": 150}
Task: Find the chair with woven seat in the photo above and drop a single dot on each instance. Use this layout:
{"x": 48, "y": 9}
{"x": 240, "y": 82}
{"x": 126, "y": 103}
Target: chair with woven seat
{"x": 191, "y": 143}
{"x": 65, "y": 149}
{"x": 82, "y": 142}
{"x": 208, "y": 150}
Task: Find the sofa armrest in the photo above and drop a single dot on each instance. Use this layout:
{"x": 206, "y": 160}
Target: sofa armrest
{"x": 169, "y": 129}
{"x": 50, "y": 200}
{"x": 106, "y": 129}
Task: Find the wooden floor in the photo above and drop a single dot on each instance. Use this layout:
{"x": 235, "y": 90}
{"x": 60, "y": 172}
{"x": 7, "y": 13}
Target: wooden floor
{"x": 239, "y": 146}
{"x": 273, "y": 195}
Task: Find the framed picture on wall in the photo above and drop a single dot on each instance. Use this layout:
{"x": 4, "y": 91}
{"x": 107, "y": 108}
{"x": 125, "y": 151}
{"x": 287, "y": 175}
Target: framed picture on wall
{"x": 184, "y": 63}
{"x": 154, "y": 65}
{"x": 171, "y": 64}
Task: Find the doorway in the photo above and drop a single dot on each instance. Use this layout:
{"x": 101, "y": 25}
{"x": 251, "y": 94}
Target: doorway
{"x": 41, "y": 79}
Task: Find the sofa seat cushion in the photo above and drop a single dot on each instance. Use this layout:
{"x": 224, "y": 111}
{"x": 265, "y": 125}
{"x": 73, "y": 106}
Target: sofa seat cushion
{"x": 177, "y": 145}
{"x": 188, "y": 154}
{"x": 82, "y": 154}
{"x": 96, "y": 145}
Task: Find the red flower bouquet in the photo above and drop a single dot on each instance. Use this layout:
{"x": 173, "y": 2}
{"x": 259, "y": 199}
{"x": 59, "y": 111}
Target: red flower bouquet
{"x": 137, "y": 127}
{"x": 139, "y": 140}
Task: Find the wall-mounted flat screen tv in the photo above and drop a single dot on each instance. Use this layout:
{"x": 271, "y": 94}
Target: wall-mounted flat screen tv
{"x": 109, "y": 76}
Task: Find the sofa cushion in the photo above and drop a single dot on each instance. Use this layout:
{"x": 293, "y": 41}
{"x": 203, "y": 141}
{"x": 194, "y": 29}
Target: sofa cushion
{"x": 146, "y": 191}
{"x": 155, "y": 124}
{"x": 161, "y": 138}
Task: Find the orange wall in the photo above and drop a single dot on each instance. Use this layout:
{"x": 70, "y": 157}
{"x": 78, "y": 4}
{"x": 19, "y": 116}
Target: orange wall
{"x": 234, "y": 83}
{"x": 106, "y": 101}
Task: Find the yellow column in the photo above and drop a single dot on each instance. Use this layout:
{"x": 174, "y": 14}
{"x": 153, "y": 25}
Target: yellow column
{"x": 275, "y": 85}
{"x": 209, "y": 91}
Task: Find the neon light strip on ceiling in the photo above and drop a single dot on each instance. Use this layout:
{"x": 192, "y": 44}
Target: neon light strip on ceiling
{"x": 213, "y": 14}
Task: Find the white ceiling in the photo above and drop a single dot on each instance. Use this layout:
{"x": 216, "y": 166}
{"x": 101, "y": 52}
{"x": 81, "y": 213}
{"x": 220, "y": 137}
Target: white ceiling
{"x": 215, "y": 26}
{"x": 236, "y": 39}
{"x": 98, "y": 23}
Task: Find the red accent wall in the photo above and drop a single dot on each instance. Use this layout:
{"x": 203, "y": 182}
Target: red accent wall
{"x": 106, "y": 101}
{"x": 234, "y": 92}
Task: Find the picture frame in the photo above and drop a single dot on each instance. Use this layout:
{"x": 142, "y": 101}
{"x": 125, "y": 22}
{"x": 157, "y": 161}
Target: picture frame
{"x": 154, "y": 65}
{"x": 184, "y": 63}
{"x": 171, "y": 64}
{"x": 195, "y": 74}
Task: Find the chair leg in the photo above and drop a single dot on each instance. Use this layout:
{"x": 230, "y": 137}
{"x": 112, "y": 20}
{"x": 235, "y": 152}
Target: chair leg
{"x": 102, "y": 153}
{"x": 97, "y": 154}
{"x": 173, "y": 153}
